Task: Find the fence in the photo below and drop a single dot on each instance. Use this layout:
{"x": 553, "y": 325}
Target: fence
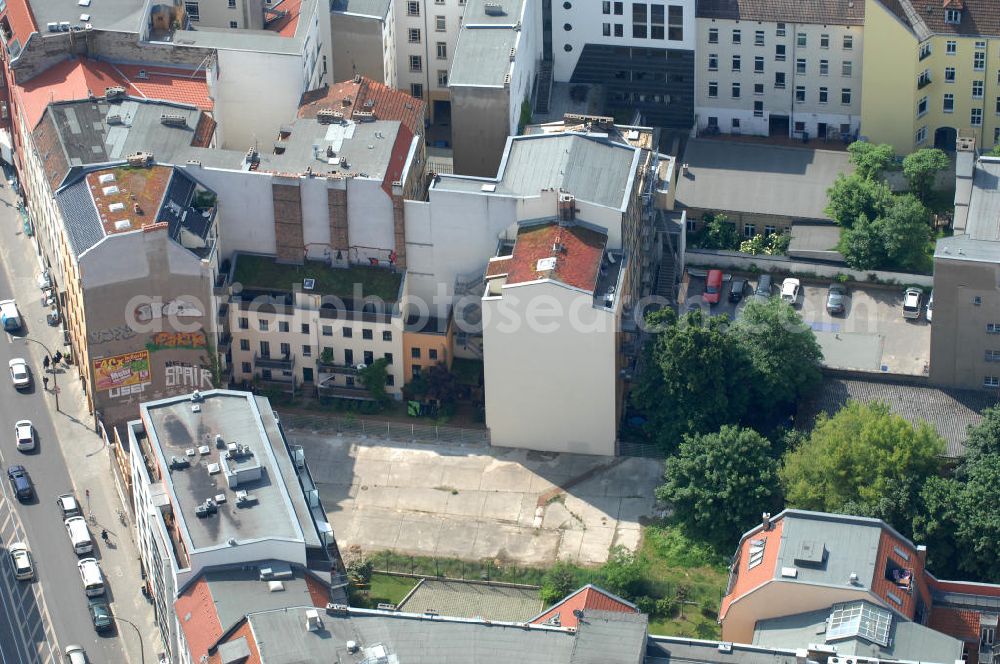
{"x": 783, "y": 264}
{"x": 395, "y": 431}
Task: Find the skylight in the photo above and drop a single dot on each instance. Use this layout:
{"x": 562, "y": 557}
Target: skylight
{"x": 756, "y": 552}
{"x": 859, "y": 619}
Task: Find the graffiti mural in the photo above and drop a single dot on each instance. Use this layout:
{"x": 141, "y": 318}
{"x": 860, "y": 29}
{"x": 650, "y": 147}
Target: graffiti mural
{"x": 121, "y": 374}
{"x": 183, "y": 374}
{"x": 119, "y": 333}
{"x": 172, "y": 340}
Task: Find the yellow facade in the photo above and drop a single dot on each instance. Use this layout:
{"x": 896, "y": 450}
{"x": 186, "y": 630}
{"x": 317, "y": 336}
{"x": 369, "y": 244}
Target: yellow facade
{"x": 906, "y": 81}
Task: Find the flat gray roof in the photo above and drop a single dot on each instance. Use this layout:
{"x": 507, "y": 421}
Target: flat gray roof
{"x": 741, "y": 177}
{"x": 850, "y": 547}
{"x": 237, "y": 591}
{"x": 592, "y": 168}
{"x": 173, "y": 427}
{"x": 376, "y": 8}
{"x": 674, "y": 650}
{"x": 502, "y": 12}
{"x": 482, "y": 56}
{"x": 965, "y": 248}
{"x": 984, "y": 208}
{"x": 265, "y": 41}
{"x": 469, "y": 599}
{"x": 367, "y": 146}
{"x": 120, "y": 15}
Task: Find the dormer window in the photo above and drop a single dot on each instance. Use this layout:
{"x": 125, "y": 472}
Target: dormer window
{"x": 952, "y": 16}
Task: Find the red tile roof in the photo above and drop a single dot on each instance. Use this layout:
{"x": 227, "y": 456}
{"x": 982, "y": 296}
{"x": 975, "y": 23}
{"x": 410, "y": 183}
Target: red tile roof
{"x": 80, "y": 77}
{"x": 397, "y": 159}
{"x": 198, "y": 618}
{"x": 749, "y": 579}
{"x": 498, "y": 266}
{"x": 286, "y": 25}
{"x": 21, "y": 20}
{"x": 881, "y": 586}
{"x": 588, "y": 598}
{"x": 577, "y": 264}
{"x": 364, "y": 94}
{"x": 244, "y": 631}
{"x": 962, "y": 624}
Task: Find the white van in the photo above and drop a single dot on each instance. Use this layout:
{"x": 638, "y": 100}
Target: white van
{"x": 79, "y": 534}
{"x": 93, "y": 579}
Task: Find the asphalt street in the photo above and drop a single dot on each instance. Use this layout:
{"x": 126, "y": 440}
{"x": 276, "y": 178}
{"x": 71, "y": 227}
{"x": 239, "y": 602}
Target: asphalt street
{"x": 39, "y": 618}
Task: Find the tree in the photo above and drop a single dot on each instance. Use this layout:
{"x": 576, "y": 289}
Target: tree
{"x": 861, "y": 246}
{"x": 373, "y": 377}
{"x": 784, "y": 354}
{"x": 718, "y": 233}
{"x": 622, "y": 574}
{"x": 896, "y": 239}
{"x": 863, "y": 458}
{"x": 995, "y": 152}
{"x": 921, "y": 168}
{"x": 437, "y": 383}
{"x": 984, "y": 438}
{"x": 360, "y": 570}
{"x": 719, "y": 483}
{"x": 935, "y": 524}
{"x": 853, "y": 196}
{"x": 869, "y": 159}
{"x": 559, "y": 581}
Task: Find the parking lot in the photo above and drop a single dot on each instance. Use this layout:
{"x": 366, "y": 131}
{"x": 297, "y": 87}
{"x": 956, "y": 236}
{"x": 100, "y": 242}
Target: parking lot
{"x": 871, "y": 335}
{"x": 474, "y": 502}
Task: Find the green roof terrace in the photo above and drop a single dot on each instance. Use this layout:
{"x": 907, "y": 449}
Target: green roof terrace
{"x": 264, "y": 274}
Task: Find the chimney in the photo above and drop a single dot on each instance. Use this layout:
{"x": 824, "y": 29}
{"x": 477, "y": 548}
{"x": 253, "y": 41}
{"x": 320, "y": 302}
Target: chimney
{"x": 766, "y": 520}
{"x": 922, "y": 554}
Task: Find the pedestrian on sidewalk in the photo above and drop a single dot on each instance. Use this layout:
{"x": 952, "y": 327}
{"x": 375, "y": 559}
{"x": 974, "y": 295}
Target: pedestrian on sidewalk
{"x": 104, "y": 535}
{"x": 45, "y": 382}
{"x": 45, "y": 362}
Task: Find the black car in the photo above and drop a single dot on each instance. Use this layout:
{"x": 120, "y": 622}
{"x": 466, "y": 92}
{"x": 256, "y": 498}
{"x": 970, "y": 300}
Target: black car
{"x": 20, "y": 482}
{"x": 737, "y": 289}
{"x": 100, "y": 614}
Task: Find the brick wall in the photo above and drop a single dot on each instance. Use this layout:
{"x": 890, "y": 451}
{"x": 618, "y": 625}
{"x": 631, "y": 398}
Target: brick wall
{"x": 288, "y": 223}
{"x": 336, "y": 201}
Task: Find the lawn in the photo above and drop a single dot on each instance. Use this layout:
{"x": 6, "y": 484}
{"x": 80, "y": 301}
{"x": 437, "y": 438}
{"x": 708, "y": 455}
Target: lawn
{"x": 263, "y": 272}
{"x": 384, "y": 589}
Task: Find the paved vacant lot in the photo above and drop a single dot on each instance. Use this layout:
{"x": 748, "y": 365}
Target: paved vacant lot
{"x": 477, "y": 503}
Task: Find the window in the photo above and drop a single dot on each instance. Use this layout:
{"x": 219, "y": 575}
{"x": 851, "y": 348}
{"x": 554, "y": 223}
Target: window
{"x": 438, "y": 2}
{"x": 639, "y": 20}
{"x": 327, "y": 331}
{"x": 413, "y": 8}
{"x": 442, "y": 78}
{"x": 758, "y": 88}
{"x": 824, "y": 41}
{"x": 749, "y": 230}
{"x": 713, "y": 89}
{"x": 845, "y": 96}
{"x": 951, "y": 47}
{"x": 713, "y": 62}
{"x": 619, "y": 8}
{"x": 388, "y": 358}
{"x": 976, "y": 119}
{"x": 981, "y": 45}
{"x": 779, "y": 80}
{"x": 232, "y": 4}
{"x": 991, "y": 381}
{"x": 307, "y": 351}
{"x": 824, "y": 67}
{"x": 922, "y": 107}
{"x": 415, "y": 353}
{"x": 800, "y": 93}
{"x": 390, "y": 380}
{"x": 949, "y": 102}
{"x": 993, "y": 328}
{"x": 417, "y": 90}
{"x": 737, "y": 36}
{"x": 606, "y": 7}
{"x": 758, "y": 64}
{"x": 996, "y": 135}
{"x": 713, "y": 35}
{"x": 244, "y": 323}
{"x": 846, "y": 68}
{"x": 736, "y": 90}
{"x": 979, "y": 61}
{"x": 233, "y": 25}
{"x": 439, "y": 24}
{"x": 348, "y": 356}
{"x": 366, "y": 334}
{"x": 848, "y": 42}
{"x": 656, "y": 19}
{"x": 619, "y": 30}
{"x": 800, "y": 66}
{"x": 949, "y": 74}
{"x": 282, "y": 326}
{"x": 265, "y": 349}
{"x": 800, "y": 40}
{"x": 925, "y": 50}
{"x": 952, "y": 16}
{"x": 920, "y": 136}
{"x": 824, "y": 95}
{"x": 244, "y": 344}
{"x": 369, "y": 358}
{"x": 780, "y": 30}
{"x": 285, "y": 349}
{"x": 386, "y": 335}
{"x": 675, "y": 23}
{"x": 193, "y": 12}
{"x": 998, "y": 106}
{"x": 736, "y": 63}
{"x": 977, "y": 89}
{"x": 347, "y": 332}
{"x": 993, "y": 356}
{"x": 262, "y": 325}
{"x": 415, "y": 370}
{"x": 606, "y": 29}
{"x": 416, "y": 63}
{"x": 442, "y": 50}
{"x": 246, "y": 367}
{"x": 758, "y": 38}
{"x": 305, "y": 328}
{"x": 758, "y": 108}
{"x": 432, "y": 353}
{"x": 779, "y": 52}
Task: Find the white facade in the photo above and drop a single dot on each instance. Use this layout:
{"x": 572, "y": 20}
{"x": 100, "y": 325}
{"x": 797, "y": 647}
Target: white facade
{"x": 599, "y": 22}
{"x": 426, "y": 33}
{"x": 790, "y": 79}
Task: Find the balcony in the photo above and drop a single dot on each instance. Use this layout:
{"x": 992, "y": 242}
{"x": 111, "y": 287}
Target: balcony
{"x": 225, "y": 343}
{"x": 331, "y": 390}
{"x": 283, "y": 363}
{"x": 336, "y": 368}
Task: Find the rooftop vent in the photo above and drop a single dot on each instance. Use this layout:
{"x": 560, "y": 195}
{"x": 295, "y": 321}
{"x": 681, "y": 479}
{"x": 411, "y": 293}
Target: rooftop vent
{"x": 173, "y": 119}
{"x": 810, "y": 553}
{"x": 275, "y": 586}
{"x": 328, "y": 116}
{"x": 335, "y": 609}
{"x": 313, "y": 623}
{"x": 195, "y": 396}
{"x": 204, "y": 449}
{"x": 123, "y": 225}
{"x": 114, "y": 119}
{"x": 140, "y": 159}
{"x": 232, "y": 541}
{"x": 179, "y": 463}
{"x": 110, "y": 190}
{"x": 114, "y": 92}
{"x": 308, "y": 284}
{"x": 105, "y": 178}
{"x": 116, "y": 207}
{"x": 364, "y": 116}
{"x": 206, "y": 509}
{"x": 546, "y": 264}
{"x": 494, "y": 9}
{"x": 352, "y": 647}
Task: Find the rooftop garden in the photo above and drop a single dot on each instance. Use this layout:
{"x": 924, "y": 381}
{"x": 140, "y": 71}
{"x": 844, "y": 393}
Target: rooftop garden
{"x": 264, "y": 273}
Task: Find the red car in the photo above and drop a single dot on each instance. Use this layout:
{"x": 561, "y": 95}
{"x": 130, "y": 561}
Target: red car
{"x": 713, "y": 286}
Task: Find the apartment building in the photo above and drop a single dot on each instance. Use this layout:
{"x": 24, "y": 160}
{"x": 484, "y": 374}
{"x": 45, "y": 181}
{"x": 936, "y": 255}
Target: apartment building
{"x": 780, "y": 69}
{"x": 363, "y": 39}
{"x": 491, "y": 80}
{"x": 964, "y": 342}
{"x": 216, "y": 484}
{"x": 856, "y": 589}
{"x": 427, "y": 34}
{"x": 641, "y": 55}
{"x": 931, "y": 69}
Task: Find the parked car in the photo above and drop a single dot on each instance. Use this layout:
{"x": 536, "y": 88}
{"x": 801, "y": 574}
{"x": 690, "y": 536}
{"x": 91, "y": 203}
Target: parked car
{"x": 100, "y": 614}
{"x": 836, "y": 299}
{"x": 930, "y": 307}
{"x": 10, "y": 317}
{"x": 19, "y": 374}
{"x": 68, "y": 506}
{"x": 20, "y": 558}
{"x": 790, "y": 290}
{"x": 76, "y": 655}
{"x": 713, "y": 287}
{"x": 912, "y": 302}
{"x": 24, "y": 435}
{"x": 737, "y": 289}
{"x": 20, "y": 482}
{"x": 763, "y": 290}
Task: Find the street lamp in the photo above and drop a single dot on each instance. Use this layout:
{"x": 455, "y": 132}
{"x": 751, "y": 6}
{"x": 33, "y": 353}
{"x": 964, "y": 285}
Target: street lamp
{"x": 142, "y": 647}
{"x": 48, "y": 353}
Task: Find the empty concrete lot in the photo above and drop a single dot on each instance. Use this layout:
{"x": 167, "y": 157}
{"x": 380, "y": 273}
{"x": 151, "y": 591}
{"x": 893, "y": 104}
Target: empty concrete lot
{"x": 476, "y": 502}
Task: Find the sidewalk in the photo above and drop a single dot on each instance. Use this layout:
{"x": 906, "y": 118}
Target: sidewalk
{"x": 88, "y": 460}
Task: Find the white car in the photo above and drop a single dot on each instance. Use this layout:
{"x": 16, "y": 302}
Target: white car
{"x": 20, "y": 558}
{"x": 930, "y": 307}
{"x": 790, "y": 290}
{"x": 911, "y": 302}
{"x": 68, "y": 506}
{"x": 76, "y": 655}
{"x": 19, "y": 373}
{"x": 24, "y": 434}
